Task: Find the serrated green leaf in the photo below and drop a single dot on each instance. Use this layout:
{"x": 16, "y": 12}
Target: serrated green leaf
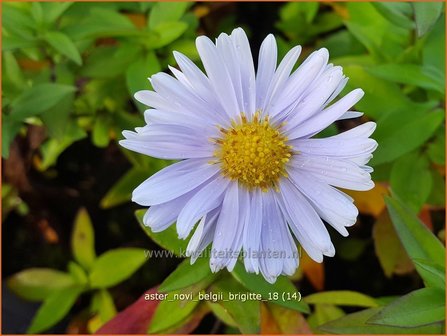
{"x": 115, "y": 266}
{"x": 83, "y": 240}
{"x": 37, "y": 284}
{"x": 411, "y": 179}
{"x": 168, "y": 239}
{"x": 341, "y": 298}
{"x": 54, "y": 308}
{"x": 421, "y": 307}
{"x": 186, "y": 275}
{"x": 426, "y": 15}
{"x": 64, "y": 45}
{"x": 246, "y": 314}
{"x": 257, "y": 284}
{"x": 356, "y": 323}
{"x": 38, "y": 99}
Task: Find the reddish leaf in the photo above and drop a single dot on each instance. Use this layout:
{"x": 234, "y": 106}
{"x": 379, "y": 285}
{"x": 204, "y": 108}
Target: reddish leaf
{"x": 134, "y": 319}
{"x": 268, "y": 323}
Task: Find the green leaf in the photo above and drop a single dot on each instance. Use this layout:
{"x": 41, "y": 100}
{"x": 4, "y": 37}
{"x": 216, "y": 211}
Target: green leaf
{"x": 102, "y": 302}
{"x": 246, "y": 314}
{"x": 389, "y": 250}
{"x": 395, "y": 13}
{"x": 341, "y": 298}
{"x": 64, "y": 45}
{"x": 383, "y": 39}
{"x": 434, "y": 275}
{"x": 406, "y": 137}
{"x": 53, "y": 10}
{"x": 139, "y": 71}
{"x": 17, "y": 21}
{"x": 165, "y": 33}
{"x": 166, "y": 12}
{"x": 100, "y": 134}
{"x": 121, "y": 191}
{"x": 172, "y": 310}
{"x": 357, "y": 323}
{"x": 38, "y": 99}
{"x": 77, "y": 272}
{"x": 10, "y": 128}
{"x": 437, "y": 196}
{"x": 54, "y": 309}
{"x": 417, "y": 239}
{"x": 37, "y": 284}
{"x": 221, "y": 313}
{"x": 12, "y": 71}
{"x": 324, "y": 313}
{"x": 186, "y": 275}
{"x": 426, "y": 15}
{"x": 53, "y": 147}
{"x": 168, "y": 239}
{"x": 426, "y": 77}
{"x": 411, "y": 180}
{"x": 83, "y": 240}
{"x": 433, "y": 52}
{"x": 283, "y": 286}
{"x": 436, "y": 149}
{"x": 419, "y": 308}
{"x": 115, "y": 266}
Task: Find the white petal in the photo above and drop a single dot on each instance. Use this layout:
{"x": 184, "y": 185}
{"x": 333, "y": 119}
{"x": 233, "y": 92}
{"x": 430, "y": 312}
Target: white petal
{"x": 323, "y": 119}
{"x": 362, "y": 131}
{"x": 266, "y": 69}
{"x": 305, "y": 219}
{"x": 313, "y": 101}
{"x": 168, "y": 142}
{"x": 227, "y": 229}
{"x": 335, "y": 147}
{"x": 298, "y": 82}
{"x": 205, "y": 200}
{"x": 252, "y": 233}
{"x": 218, "y": 75}
{"x": 174, "y": 181}
{"x": 247, "y": 69}
{"x": 271, "y": 260}
{"x": 160, "y": 217}
{"x": 350, "y": 115}
{"x": 329, "y": 203}
{"x": 280, "y": 78}
{"x": 339, "y": 173}
{"x": 203, "y": 235}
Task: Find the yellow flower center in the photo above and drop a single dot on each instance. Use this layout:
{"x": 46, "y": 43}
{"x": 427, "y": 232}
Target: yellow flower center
{"x": 253, "y": 152}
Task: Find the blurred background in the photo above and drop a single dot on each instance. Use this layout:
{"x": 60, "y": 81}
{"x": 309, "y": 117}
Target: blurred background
{"x": 69, "y": 74}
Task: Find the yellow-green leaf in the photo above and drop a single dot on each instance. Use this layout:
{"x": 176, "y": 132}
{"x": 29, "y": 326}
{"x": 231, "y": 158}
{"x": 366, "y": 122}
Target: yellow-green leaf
{"x": 83, "y": 240}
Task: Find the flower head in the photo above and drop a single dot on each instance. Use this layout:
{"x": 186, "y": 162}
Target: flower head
{"x": 250, "y": 172}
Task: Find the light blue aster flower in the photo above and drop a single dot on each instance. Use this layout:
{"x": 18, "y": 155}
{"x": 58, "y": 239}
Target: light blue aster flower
{"x": 250, "y": 173}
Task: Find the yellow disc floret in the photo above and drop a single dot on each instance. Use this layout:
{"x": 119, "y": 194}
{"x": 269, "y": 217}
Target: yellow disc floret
{"x": 253, "y": 152}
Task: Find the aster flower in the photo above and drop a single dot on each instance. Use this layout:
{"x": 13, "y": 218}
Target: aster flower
{"x": 250, "y": 172}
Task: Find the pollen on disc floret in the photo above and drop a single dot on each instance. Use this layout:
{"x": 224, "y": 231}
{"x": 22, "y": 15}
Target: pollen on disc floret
{"x": 253, "y": 152}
